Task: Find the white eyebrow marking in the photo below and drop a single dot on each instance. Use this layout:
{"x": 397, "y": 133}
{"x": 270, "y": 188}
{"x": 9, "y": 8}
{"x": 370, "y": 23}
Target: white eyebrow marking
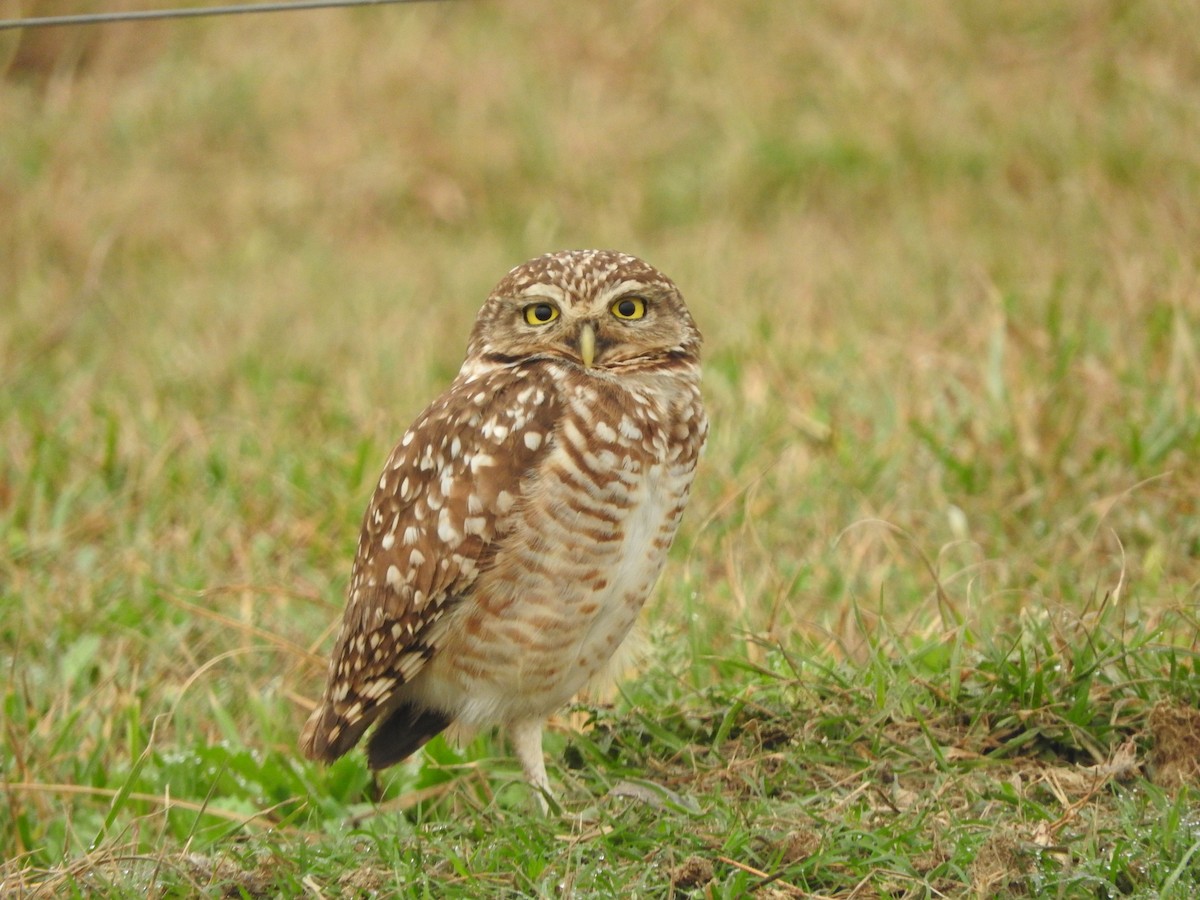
{"x": 629, "y": 285}
{"x": 545, "y": 292}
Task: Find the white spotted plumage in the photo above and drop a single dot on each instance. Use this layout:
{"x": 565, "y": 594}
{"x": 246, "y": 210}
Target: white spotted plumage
{"x": 521, "y": 522}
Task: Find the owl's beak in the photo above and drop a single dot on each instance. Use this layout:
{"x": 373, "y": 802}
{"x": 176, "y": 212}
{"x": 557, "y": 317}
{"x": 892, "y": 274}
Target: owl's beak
{"x": 587, "y": 344}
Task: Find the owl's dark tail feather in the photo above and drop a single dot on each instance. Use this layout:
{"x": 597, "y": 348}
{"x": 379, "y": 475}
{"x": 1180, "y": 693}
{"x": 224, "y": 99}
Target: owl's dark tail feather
{"x": 403, "y": 733}
{"x": 327, "y": 735}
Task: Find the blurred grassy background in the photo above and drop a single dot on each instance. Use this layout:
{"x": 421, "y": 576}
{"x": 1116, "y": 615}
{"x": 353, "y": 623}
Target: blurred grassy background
{"x": 946, "y": 257}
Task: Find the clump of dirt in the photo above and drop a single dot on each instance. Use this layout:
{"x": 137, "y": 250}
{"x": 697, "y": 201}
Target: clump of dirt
{"x": 800, "y": 845}
{"x": 1000, "y": 866}
{"x": 363, "y": 882}
{"x": 227, "y": 876}
{"x": 693, "y": 872}
{"x": 1175, "y": 731}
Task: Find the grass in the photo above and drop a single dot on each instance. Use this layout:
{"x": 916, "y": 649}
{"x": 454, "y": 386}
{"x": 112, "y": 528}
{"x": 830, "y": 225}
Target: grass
{"x": 930, "y": 628}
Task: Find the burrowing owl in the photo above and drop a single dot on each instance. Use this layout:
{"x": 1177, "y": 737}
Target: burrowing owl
{"x": 524, "y": 517}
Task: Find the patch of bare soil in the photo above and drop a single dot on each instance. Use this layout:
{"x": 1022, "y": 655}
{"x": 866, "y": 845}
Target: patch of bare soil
{"x": 1175, "y": 757}
{"x": 693, "y": 872}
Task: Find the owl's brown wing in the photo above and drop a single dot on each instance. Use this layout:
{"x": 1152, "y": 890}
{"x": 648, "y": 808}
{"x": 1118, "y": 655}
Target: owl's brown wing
{"x": 443, "y": 501}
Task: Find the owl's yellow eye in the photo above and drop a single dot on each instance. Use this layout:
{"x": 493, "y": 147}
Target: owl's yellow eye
{"x": 629, "y": 308}
{"x": 541, "y": 313}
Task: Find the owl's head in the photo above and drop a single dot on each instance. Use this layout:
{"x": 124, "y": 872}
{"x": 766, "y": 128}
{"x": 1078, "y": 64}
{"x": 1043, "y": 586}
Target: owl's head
{"x": 601, "y": 309}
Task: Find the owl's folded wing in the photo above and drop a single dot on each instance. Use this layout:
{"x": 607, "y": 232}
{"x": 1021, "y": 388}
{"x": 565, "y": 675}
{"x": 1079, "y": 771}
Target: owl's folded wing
{"x": 443, "y": 500}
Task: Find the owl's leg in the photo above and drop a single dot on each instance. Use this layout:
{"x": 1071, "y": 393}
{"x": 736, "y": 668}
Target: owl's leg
{"x": 526, "y": 740}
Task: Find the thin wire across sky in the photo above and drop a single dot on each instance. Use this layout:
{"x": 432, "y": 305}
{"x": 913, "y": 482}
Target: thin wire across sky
{"x": 189, "y": 12}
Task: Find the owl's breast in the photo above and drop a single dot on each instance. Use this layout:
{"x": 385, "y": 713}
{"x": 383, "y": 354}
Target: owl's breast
{"x": 582, "y": 549}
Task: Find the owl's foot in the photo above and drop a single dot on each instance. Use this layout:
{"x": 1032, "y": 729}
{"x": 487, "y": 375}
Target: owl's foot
{"x": 526, "y": 738}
